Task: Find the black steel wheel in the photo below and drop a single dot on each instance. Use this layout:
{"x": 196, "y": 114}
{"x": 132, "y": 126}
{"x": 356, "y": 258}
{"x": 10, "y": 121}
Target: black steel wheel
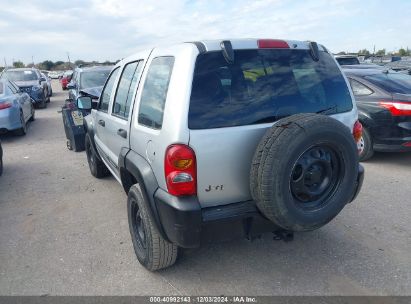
{"x": 152, "y": 250}
{"x": 315, "y": 176}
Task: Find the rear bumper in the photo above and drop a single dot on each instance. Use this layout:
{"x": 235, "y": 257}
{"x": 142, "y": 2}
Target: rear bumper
{"x": 10, "y": 119}
{"x": 186, "y": 224}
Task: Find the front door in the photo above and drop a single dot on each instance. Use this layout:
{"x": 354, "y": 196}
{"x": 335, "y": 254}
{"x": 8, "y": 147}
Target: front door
{"x": 102, "y": 117}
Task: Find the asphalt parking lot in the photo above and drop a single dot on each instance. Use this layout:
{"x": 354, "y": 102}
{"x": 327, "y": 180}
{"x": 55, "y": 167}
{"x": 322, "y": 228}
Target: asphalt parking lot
{"x": 62, "y": 232}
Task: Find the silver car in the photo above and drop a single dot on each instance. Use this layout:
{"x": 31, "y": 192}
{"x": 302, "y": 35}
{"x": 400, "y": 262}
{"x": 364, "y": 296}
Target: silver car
{"x": 211, "y": 137}
{"x": 16, "y": 108}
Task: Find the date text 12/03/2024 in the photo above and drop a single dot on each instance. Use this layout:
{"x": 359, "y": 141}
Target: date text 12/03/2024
{"x": 203, "y": 299}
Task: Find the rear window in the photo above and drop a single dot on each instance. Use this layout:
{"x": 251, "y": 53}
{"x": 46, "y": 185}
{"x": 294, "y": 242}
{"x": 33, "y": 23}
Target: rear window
{"x": 263, "y": 86}
{"x": 22, "y": 75}
{"x": 1, "y": 88}
{"x": 393, "y": 83}
{"x": 348, "y": 61}
{"x": 93, "y": 79}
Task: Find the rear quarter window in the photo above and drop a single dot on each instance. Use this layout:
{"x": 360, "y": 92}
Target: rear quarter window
{"x": 263, "y": 86}
{"x": 392, "y": 83}
{"x": 154, "y": 94}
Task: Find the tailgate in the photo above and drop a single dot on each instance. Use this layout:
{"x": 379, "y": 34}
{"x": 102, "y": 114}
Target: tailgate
{"x": 224, "y": 161}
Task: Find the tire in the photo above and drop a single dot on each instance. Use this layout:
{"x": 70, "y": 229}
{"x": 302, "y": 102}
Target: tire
{"x": 367, "y": 146}
{"x": 1, "y": 166}
{"x": 43, "y": 102}
{"x": 23, "y": 130}
{"x": 152, "y": 251}
{"x": 33, "y": 114}
{"x": 97, "y": 168}
{"x": 47, "y": 95}
{"x": 258, "y": 153}
{"x": 304, "y": 171}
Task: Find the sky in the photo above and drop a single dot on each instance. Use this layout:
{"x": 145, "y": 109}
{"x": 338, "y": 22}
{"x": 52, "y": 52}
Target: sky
{"x": 113, "y": 29}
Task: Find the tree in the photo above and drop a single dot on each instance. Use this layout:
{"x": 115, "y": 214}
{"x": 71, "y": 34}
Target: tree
{"x": 403, "y": 52}
{"x": 380, "y": 52}
{"x": 364, "y": 52}
{"x": 18, "y": 64}
{"x": 79, "y": 62}
{"x": 47, "y": 65}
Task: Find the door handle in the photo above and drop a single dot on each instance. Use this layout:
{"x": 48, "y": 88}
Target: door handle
{"x": 122, "y": 133}
{"x": 102, "y": 123}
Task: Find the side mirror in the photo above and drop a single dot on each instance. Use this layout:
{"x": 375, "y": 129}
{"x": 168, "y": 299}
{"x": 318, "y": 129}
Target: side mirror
{"x": 71, "y": 86}
{"x": 42, "y": 79}
{"x": 84, "y": 103}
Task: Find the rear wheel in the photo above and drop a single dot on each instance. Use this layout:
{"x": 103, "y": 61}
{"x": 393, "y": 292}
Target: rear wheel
{"x": 33, "y": 113}
{"x": 306, "y": 171}
{"x": 97, "y": 168}
{"x": 152, "y": 250}
{"x": 23, "y": 130}
{"x": 367, "y": 150}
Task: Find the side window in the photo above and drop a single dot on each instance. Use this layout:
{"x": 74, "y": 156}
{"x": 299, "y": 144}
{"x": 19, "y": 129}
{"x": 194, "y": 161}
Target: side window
{"x": 107, "y": 91}
{"x": 126, "y": 88}
{"x": 359, "y": 89}
{"x": 154, "y": 93}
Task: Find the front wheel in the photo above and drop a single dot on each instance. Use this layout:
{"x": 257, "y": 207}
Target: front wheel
{"x": 97, "y": 168}
{"x": 152, "y": 250}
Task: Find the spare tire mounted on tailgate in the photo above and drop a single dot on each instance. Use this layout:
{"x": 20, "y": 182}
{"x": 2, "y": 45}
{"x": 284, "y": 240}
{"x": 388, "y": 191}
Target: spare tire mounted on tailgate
{"x": 304, "y": 171}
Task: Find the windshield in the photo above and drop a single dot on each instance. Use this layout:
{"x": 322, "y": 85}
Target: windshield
{"x": 21, "y": 75}
{"x": 392, "y": 82}
{"x": 263, "y": 86}
{"x": 93, "y": 78}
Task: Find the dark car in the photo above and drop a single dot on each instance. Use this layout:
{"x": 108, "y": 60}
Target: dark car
{"x": 32, "y": 82}
{"x": 384, "y": 109}
{"x": 87, "y": 78}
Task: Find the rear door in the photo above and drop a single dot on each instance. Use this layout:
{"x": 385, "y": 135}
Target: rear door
{"x": 118, "y": 125}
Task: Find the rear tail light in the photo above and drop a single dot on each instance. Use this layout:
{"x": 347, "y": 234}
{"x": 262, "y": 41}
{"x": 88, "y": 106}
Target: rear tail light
{"x": 272, "y": 44}
{"x": 357, "y": 131}
{"x": 180, "y": 170}
{"x": 5, "y": 105}
{"x": 407, "y": 144}
{"x": 397, "y": 108}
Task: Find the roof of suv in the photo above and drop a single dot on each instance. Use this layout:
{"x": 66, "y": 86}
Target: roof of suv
{"x": 252, "y": 43}
{"x": 94, "y": 68}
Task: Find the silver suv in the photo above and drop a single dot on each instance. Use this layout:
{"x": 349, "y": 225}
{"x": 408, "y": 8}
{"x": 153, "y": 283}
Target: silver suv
{"x": 241, "y": 136}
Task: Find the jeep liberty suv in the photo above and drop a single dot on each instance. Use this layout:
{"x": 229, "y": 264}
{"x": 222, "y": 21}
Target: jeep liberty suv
{"x": 246, "y": 136}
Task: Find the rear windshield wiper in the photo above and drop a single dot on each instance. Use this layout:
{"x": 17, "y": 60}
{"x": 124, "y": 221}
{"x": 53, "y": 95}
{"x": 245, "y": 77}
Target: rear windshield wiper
{"x": 329, "y": 110}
